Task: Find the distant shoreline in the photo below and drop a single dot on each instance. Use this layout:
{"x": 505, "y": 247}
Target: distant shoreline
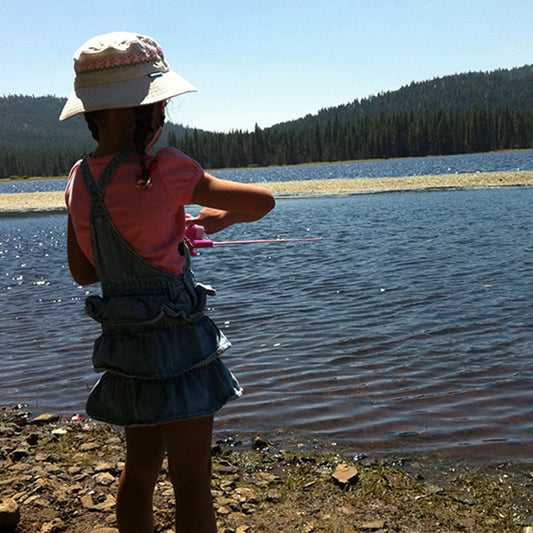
{"x": 18, "y": 204}
{"x": 314, "y": 163}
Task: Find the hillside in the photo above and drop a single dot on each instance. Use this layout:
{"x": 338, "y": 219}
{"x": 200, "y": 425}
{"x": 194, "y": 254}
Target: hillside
{"x": 34, "y": 142}
{"x": 468, "y": 112}
{"x": 456, "y": 93}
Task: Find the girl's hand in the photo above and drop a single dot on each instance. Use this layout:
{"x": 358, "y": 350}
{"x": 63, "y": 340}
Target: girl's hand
{"x": 212, "y": 220}
{"x": 228, "y": 202}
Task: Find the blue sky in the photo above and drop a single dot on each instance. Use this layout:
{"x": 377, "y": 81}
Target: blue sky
{"x": 258, "y": 61}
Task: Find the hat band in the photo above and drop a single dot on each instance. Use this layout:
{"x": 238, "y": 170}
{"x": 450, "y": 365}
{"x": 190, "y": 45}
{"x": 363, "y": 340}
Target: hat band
{"x": 122, "y": 73}
{"x": 117, "y": 61}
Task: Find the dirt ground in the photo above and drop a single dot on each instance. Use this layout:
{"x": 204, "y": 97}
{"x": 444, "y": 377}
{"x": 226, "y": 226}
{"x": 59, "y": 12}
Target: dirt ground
{"x": 62, "y": 475}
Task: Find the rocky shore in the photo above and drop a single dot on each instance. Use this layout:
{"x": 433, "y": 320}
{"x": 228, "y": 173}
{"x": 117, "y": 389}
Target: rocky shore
{"x": 60, "y": 474}
{"x": 51, "y": 202}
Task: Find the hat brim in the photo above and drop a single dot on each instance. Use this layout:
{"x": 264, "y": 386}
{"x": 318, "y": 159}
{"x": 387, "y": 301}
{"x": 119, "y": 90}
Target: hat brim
{"x": 129, "y": 93}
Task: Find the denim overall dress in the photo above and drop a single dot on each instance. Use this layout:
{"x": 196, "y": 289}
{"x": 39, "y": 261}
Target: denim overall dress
{"x": 158, "y": 351}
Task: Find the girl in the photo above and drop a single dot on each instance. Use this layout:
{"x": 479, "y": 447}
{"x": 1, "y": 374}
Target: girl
{"x": 159, "y": 353}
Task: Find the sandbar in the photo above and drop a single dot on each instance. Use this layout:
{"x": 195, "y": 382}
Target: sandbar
{"x": 53, "y": 202}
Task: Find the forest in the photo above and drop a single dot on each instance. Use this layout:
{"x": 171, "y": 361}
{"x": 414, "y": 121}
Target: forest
{"x": 461, "y": 113}
{"x": 481, "y": 129}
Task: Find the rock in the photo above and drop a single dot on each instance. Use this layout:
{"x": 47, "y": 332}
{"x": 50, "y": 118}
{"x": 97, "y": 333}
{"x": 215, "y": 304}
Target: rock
{"x": 89, "y": 446}
{"x": 52, "y": 469}
{"x": 106, "y": 505}
{"x": 227, "y": 485}
{"x": 32, "y": 439}
{"x": 104, "y": 478}
{"x": 245, "y": 494}
{"x": 236, "y": 517}
{"x": 223, "y": 467}
{"x": 345, "y": 475}
{"x": 375, "y": 525}
{"x": 46, "y": 418}
{"x": 56, "y": 526}
{"x": 75, "y": 488}
{"x": 105, "y": 530}
{"x": 9, "y": 515}
{"x": 104, "y": 467}
{"x": 228, "y": 503}
{"x": 216, "y": 449}
{"x": 266, "y": 478}
{"x": 273, "y": 495}
{"x": 430, "y": 490}
{"x": 346, "y": 510}
{"x": 37, "y": 500}
{"x": 260, "y": 443}
{"x": 18, "y": 455}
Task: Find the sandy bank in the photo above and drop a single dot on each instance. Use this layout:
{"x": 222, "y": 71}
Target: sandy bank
{"x": 35, "y": 202}
{"x": 50, "y": 202}
{"x": 340, "y": 187}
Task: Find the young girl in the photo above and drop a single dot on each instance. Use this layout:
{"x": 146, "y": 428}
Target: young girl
{"x": 159, "y": 353}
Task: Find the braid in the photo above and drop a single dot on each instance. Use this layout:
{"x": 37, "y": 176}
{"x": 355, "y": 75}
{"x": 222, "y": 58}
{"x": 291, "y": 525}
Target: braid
{"x": 90, "y": 118}
{"x": 142, "y": 133}
{"x": 143, "y": 127}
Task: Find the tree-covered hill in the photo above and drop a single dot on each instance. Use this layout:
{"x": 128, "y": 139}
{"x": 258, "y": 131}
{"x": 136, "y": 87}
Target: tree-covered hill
{"x": 453, "y": 94}
{"x": 470, "y": 112}
{"x": 462, "y": 113}
{"x": 34, "y": 143}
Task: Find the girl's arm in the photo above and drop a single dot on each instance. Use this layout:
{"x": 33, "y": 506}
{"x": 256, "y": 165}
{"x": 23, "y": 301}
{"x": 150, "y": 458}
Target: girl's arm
{"x": 227, "y": 202}
{"x": 81, "y": 268}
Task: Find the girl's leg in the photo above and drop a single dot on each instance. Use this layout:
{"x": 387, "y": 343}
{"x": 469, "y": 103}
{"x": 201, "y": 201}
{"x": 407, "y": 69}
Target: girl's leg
{"x": 145, "y": 448}
{"x": 189, "y": 463}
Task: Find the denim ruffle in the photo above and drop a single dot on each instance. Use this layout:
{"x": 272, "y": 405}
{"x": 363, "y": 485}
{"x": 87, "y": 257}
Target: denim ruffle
{"x": 127, "y": 401}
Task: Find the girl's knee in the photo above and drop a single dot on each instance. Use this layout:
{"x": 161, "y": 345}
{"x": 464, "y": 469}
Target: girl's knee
{"x": 189, "y": 452}
{"x": 187, "y": 471}
{"x": 139, "y": 478}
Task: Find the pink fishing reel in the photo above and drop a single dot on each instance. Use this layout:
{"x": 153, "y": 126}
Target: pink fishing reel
{"x": 195, "y": 238}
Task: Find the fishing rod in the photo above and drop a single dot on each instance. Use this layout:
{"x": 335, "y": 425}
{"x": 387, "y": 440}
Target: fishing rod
{"x": 195, "y": 239}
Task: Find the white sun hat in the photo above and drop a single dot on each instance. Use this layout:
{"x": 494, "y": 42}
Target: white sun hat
{"x": 121, "y": 69}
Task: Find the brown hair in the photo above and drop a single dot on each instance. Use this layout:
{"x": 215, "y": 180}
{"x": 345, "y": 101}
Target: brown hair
{"x": 141, "y": 135}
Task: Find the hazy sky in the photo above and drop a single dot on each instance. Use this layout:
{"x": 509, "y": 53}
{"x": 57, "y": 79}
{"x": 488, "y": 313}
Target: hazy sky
{"x": 259, "y": 61}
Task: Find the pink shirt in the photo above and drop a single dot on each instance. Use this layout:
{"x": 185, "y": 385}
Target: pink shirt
{"x": 152, "y": 221}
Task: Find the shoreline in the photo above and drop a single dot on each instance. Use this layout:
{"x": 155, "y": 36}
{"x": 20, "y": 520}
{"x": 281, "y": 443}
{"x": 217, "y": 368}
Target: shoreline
{"x": 61, "y": 473}
{"x": 18, "y": 204}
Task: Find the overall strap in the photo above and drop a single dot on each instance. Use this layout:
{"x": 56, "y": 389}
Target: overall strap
{"x": 96, "y": 190}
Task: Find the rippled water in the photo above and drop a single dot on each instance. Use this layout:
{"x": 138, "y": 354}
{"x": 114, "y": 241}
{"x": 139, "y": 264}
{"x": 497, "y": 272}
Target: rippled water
{"x": 409, "y": 328}
{"x": 392, "y": 168}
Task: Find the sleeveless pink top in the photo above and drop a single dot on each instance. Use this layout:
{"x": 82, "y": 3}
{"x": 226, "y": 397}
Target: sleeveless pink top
{"x": 151, "y": 221}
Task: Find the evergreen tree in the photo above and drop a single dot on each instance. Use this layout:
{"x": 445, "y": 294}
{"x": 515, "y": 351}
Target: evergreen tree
{"x": 464, "y": 113}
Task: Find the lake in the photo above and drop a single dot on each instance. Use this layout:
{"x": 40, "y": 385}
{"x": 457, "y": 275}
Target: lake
{"x": 390, "y": 168}
{"x": 408, "y": 329}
